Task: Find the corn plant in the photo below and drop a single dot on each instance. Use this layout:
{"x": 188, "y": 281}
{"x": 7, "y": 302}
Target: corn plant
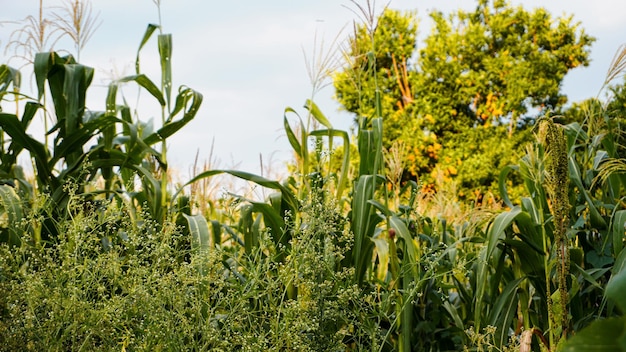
{"x": 84, "y": 145}
{"x": 545, "y": 262}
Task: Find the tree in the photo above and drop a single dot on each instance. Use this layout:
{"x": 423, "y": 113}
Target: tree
{"x": 495, "y": 68}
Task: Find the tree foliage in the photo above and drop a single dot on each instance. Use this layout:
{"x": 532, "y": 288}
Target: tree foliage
{"x": 496, "y": 67}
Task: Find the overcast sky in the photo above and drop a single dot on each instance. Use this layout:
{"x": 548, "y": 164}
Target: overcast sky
{"x": 246, "y": 58}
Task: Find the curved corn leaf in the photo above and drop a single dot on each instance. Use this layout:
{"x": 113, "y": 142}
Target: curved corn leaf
{"x": 79, "y": 138}
{"x": 145, "y": 82}
{"x": 291, "y": 136}
{"x": 317, "y": 113}
{"x": 9, "y": 76}
{"x": 502, "y": 184}
{"x": 187, "y": 99}
{"x": 199, "y": 231}
{"x": 21, "y": 140}
{"x": 146, "y": 36}
{"x": 402, "y": 231}
{"x": 287, "y": 195}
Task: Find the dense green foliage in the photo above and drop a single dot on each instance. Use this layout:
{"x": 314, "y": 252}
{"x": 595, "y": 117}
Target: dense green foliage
{"x": 495, "y": 68}
{"x": 98, "y": 252}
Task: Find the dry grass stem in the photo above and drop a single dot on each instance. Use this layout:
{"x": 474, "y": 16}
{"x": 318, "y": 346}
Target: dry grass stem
{"x": 76, "y": 20}
{"x": 322, "y": 63}
{"x": 617, "y": 66}
{"x": 36, "y": 34}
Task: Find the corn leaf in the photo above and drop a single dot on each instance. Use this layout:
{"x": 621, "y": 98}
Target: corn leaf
{"x": 188, "y": 100}
{"x": 165, "y": 55}
{"x": 288, "y": 197}
{"x": 504, "y": 311}
{"x": 317, "y": 114}
{"x": 619, "y": 231}
{"x": 291, "y": 136}
{"x": 14, "y": 128}
{"x": 146, "y": 36}
{"x": 364, "y": 220}
{"x": 199, "y": 231}
{"x": 595, "y": 218}
{"x": 402, "y": 231}
{"x": 382, "y": 252}
{"x": 145, "y": 82}
{"x": 9, "y": 76}
{"x": 495, "y": 234}
{"x": 601, "y": 335}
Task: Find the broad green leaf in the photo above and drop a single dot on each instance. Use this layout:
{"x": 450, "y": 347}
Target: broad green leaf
{"x": 458, "y": 322}
{"x": 499, "y": 225}
{"x": 75, "y": 84}
{"x": 41, "y": 67}
{"x": 200, "y": 237}
{"x": 30, "y": 109}
{"x": 601, "y": 335}
{"x": 216, "y": 228}
{"x": 495, "y": 234}
{"x": 165, "y": 55}
{"x": 617, "y": 285}
{"x": 274, "y": 220}
{"x": 403, "y": 233}
{"x": 14, "y": 128}
{"x": 377, "y": 129}
{"x": 250, "y": 238}
{"x": 199, "y": 231}
{"x": 78, "y": 139}
{"x": 111, "y": 106}
{"x": 364, "y": 220}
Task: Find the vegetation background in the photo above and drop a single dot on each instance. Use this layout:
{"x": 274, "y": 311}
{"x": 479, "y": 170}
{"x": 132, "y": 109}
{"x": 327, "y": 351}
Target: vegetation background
{"x": 101, "y": 250}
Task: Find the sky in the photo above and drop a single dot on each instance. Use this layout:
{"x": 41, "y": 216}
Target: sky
{"x": 247, "y": 58}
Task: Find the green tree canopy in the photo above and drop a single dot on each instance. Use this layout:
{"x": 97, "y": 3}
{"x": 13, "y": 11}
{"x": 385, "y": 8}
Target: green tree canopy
{"x": 497, "y": 67}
